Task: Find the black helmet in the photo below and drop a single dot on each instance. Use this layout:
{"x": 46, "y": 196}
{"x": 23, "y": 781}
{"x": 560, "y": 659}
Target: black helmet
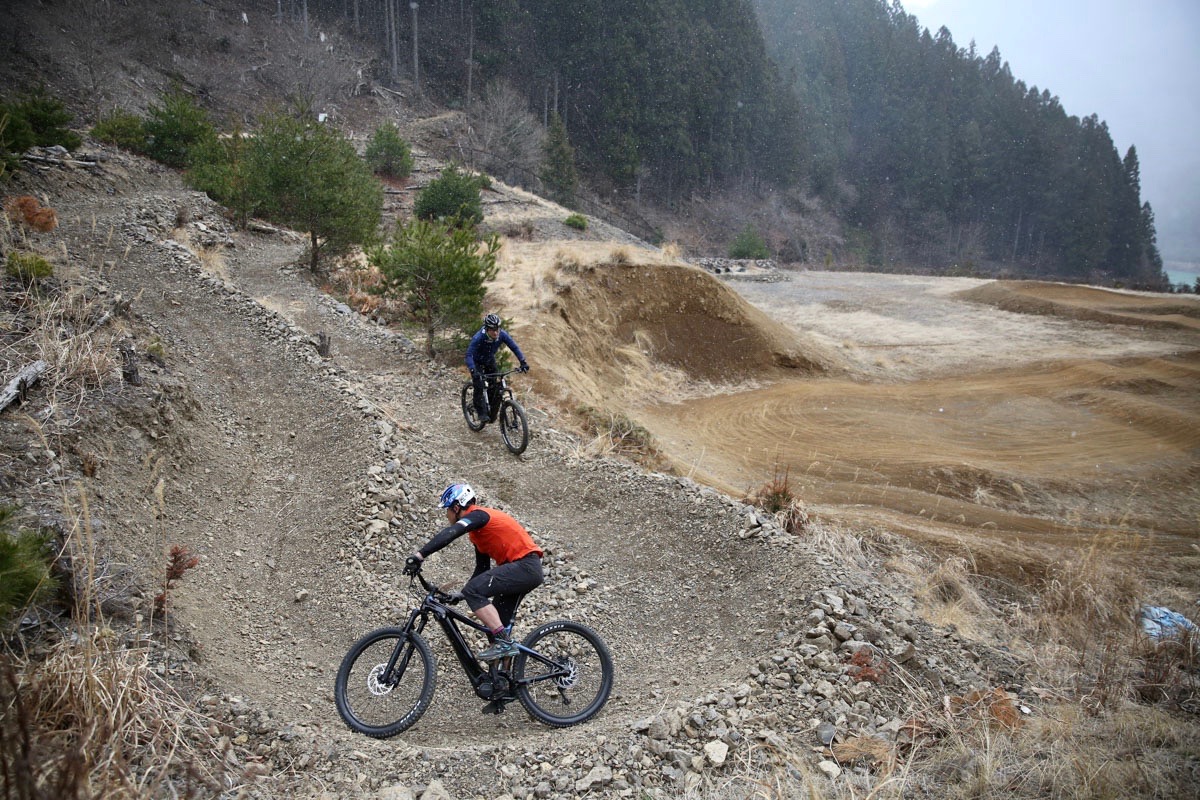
{"x": 491, "y": 321}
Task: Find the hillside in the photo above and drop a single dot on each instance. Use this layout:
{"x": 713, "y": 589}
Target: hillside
{"x": 301, "y": 483}
{"x": 876, "y": 650}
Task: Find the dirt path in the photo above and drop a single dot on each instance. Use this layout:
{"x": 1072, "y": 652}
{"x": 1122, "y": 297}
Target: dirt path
{"x": 302, "y": 483}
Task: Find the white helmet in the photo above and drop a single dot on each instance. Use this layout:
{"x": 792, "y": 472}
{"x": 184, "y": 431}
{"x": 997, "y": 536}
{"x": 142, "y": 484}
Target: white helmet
{"x": 460, "y": 494}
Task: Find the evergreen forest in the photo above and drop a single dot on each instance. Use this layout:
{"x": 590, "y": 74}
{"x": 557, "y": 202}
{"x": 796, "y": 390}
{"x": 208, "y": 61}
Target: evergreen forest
{"x": 930, "y": 155}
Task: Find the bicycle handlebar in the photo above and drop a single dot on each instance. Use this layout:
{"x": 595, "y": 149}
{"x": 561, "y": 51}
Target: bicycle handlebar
{"x": 501, "y": 374}
{"x": 450, "y": 598}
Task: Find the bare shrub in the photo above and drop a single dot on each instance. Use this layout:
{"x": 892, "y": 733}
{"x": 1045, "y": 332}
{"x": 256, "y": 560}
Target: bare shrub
{"x": 504, "y": 139}
{"x": 27, "y": 209}
{"x": 672, "y": 251}
{"x": 1170, "y": 672}
{"x": 568, "y": 263}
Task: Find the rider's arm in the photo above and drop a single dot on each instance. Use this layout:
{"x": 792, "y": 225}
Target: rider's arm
{"x": 482, "y": 563}
{"x": 508, "y": 340}
{"x": 473, "y": 520}
{"x": 472, "y": 350}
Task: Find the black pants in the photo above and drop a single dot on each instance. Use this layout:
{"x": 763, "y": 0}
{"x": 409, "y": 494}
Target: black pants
{"x": 505, "y": 585}
{"x": 487, "y": 393}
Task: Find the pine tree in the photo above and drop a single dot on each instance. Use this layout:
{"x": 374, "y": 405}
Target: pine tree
{"x": 439, "y": 270}
{"x": 309, "y": 177}
{"x": 388, "y": 154}
{"x": 175, "y": 127}
{"x": 558, "y": 172}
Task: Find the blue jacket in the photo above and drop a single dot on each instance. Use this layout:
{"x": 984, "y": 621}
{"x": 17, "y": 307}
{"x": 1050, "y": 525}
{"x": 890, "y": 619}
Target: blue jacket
{"x": 481, "y": 352}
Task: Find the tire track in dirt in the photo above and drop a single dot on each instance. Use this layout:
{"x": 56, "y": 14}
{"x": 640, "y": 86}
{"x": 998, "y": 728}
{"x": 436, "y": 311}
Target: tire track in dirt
{"x": 1099, "y": 445}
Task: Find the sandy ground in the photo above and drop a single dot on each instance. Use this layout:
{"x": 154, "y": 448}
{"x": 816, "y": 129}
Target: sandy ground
{"x": 961, "y": 421}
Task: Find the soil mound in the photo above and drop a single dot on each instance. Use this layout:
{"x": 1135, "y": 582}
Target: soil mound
{"x": 654, "y": 328}
{"x": 1088, "y": 303}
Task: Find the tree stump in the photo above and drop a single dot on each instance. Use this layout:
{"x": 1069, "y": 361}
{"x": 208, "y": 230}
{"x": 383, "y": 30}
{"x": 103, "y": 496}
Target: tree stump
{"x": 129, "y": 365}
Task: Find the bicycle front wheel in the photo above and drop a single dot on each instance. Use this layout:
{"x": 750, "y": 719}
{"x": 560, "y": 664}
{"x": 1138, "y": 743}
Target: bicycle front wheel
{"x": 568, "y": 677}
{"x": 514, "y": 428}
{"x": 474, "y": 421}
{"x": 378, "y": 704}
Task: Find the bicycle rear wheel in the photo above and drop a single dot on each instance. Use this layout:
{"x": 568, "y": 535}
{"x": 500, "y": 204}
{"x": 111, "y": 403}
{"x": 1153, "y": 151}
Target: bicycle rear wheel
{"x": 382, "y": 706}
{"x": 568, "y": 679}
{"x": 474, "y": 421}
{"x": 514, "y": 428}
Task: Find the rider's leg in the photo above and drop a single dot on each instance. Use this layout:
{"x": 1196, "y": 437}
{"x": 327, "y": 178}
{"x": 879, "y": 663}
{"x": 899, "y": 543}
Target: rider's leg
{"x": 506, "y": 607}
{"x": 481, "y": 401}
{"x": 516, "y": 577}
{"x": 491, "y": 399}
{"x": 490, "y": 617}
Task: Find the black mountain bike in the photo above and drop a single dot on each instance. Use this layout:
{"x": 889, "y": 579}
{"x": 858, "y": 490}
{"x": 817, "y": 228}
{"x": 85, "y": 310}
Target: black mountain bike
{"x": 562, "y": 673}
{"x": 514, "y": 427}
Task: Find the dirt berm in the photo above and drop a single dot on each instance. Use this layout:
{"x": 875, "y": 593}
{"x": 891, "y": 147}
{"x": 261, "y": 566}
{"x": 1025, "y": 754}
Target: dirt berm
{"x": 1087, "y": 303}
{"x": 616, "y": 326}
{"x": 302, "y": 483}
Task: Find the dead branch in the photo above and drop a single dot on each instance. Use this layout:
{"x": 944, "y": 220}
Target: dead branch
{"x": 17, "y": 387}
{"x": 60, "y": 162}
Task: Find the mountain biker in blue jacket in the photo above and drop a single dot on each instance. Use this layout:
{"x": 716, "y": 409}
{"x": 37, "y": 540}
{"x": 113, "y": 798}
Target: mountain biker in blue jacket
{"x": 481, "y": 360}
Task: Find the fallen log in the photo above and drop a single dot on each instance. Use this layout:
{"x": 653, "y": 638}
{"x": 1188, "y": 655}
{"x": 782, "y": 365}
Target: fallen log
{"x": 17, "y": 387}
{"x": 59, "y": 162}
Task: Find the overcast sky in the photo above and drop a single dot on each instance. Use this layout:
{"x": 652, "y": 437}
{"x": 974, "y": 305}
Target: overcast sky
{"x": 1136, "y": 65}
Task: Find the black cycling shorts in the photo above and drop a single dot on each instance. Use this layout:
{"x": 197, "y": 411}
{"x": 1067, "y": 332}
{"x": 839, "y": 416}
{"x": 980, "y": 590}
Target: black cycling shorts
{"x": 505, "y": 585}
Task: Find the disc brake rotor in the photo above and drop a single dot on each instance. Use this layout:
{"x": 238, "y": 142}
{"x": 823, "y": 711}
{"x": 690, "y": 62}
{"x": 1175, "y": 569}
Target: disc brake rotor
{"x": 376, "y": 686}
{"x": 571, "y": 677}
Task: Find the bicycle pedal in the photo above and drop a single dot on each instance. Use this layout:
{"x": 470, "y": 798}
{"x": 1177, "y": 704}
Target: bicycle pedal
{"x": 494, "y": 707}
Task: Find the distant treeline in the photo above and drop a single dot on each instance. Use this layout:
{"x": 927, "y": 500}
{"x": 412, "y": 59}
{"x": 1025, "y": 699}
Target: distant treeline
{"x": 929, "y": 153}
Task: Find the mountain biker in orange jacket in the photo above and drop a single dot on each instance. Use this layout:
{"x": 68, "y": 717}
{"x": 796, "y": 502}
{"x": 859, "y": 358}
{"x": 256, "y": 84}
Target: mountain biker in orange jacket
{"x": 481, "y": 360}
{"x": 497, "y": 537}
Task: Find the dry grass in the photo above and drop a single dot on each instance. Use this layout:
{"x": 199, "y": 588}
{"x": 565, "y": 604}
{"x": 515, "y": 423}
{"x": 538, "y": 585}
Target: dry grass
{"x": 92, "y": 719}
{"x": 84, "y": 712}
{"x": 1103, "y": 712}
{"x": 87, "y": 714}
{"x": 777, "y": 498}
{"x": 617, "y": 434}
{"x": 356, "y": 283}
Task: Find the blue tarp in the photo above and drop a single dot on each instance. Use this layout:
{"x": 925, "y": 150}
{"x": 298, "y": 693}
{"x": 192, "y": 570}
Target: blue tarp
{"x": 1163, "y": 623}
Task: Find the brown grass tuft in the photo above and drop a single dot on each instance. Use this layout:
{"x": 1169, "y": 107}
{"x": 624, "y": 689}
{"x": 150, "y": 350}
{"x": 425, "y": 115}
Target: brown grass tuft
{"x": 27, "y": 209}
{"x": 776, "y": 497}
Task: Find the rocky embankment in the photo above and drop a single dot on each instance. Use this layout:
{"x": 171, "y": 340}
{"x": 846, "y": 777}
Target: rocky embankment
{"x": 743, "y": 651}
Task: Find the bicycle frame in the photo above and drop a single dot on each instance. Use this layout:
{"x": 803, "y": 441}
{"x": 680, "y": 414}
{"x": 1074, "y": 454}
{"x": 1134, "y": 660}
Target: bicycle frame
{"x": 484, "y": 681}
{"x": 498, "y": 379}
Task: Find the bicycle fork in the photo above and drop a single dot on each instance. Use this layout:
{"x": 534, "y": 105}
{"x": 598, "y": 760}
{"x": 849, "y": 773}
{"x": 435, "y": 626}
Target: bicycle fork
{"x": 398, "y": 663}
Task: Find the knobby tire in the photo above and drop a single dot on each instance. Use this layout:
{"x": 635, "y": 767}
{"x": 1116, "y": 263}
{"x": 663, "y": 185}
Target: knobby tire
{"x": 584, "y": 680}
{"x": 514, "y": 427}
{"x": 368, "y": 705}
{"x": 474, "y": 421}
